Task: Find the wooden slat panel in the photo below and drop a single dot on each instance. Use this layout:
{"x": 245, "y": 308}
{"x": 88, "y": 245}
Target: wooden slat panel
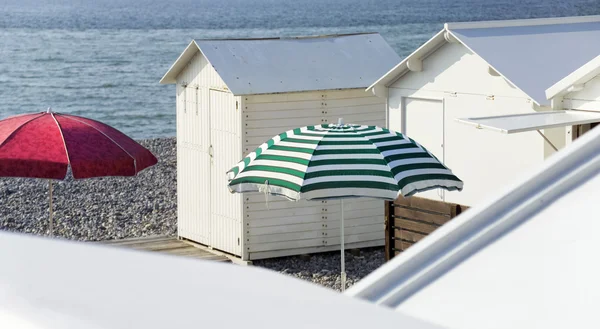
{"x": 406, "y": 224}
{"x": 279, "y": 106}
{"x": 310, "y": 250}
{"x": 260, "y": 212}
{"x": 315, "y": 242}
{"x": 130, "y": 241}
{"x": 268, "y": 132}
{"x": 402, "y": 245}
{"x": 282, "y": 98}
{"x": 167, "y": 245}
{"x": 422, "y": 216}
{"x": 291, "y": 97}
{"x": 314, "y": 234}
{"x": 258, "y": 221}
{"x": 349, "y": 102}
{"x": 426, "y": 204}
{"x": 409, "y": 236}
{"x": 304, "y": 227}
{"x": 413, "y": 219}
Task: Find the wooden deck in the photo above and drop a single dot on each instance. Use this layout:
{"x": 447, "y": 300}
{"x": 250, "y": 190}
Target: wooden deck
{"x": 167, "y": 245}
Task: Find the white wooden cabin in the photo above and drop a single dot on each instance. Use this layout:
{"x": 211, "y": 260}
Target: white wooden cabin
{"x": 232, "y": 95}
{"x": 525, "y": 258}
{"x": 469, "y": 72}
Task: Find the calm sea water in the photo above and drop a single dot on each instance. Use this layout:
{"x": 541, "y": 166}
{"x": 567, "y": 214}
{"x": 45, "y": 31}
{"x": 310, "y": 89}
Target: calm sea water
{"x": 103, "y": 58}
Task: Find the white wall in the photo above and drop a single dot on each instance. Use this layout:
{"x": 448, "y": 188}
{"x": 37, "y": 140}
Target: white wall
{"x": 288, "y": 228}
{"x": 483, "y": 159}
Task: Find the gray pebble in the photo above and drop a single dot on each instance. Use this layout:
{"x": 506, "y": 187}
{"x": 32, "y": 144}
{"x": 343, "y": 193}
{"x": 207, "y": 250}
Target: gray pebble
{"x": 125, "y": 207}
{"x": 97, "y": 208}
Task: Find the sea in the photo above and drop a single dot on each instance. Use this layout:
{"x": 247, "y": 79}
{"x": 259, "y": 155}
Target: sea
{"x": 103, "y": 59}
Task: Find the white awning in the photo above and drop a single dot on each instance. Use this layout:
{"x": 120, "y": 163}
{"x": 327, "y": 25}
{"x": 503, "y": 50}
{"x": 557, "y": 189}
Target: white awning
{"x": 516, "y": 123}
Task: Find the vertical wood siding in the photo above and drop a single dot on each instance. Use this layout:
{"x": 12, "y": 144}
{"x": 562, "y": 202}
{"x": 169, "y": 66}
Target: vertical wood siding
{"x": 195, "y": 174}
{"x": 226, "y": 211}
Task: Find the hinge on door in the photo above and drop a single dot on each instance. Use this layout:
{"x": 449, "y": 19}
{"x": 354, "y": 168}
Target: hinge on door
{"x": 238, "y": 241}
{"x": 236, "y": 105}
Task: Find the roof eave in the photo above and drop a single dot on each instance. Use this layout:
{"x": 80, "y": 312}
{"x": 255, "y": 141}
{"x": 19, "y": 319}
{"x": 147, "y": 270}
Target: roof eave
{"x": 522, "y": 22}
{"x": 442, "y": 37}
{"x": 419, "y": 54}
{"x": 578, "y": 77}
{"x": 171, "y": 76}
{"x": 536, "y": 102}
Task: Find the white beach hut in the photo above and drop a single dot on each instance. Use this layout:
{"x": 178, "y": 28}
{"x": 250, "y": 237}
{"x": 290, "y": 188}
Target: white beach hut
{"x": 469, "y": 72}
{"x": 525, "y": 258}
{"x": 233, "y": 95}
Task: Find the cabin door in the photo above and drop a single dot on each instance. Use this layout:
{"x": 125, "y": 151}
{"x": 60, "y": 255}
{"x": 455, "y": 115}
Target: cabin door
{"x": 225, "y": 207}
{"x": 424, "y": 122}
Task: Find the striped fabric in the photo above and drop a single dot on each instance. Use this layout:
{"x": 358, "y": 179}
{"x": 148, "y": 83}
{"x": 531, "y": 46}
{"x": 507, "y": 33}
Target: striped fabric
{"x": 334, "y": 161}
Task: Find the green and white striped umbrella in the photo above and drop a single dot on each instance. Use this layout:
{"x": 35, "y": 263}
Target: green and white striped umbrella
{"x": 334, "y": 161}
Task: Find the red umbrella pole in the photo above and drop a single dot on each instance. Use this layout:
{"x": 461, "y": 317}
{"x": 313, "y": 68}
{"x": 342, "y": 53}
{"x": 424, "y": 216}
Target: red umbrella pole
{"x": 50, "y": 194}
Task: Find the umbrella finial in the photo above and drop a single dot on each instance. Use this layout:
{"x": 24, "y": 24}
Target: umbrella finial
{"x": 49, "y": 110}
{"x": 340, "y": 121}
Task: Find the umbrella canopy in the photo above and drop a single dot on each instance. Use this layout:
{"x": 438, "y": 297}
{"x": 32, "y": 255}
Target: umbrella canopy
{"x": 333, "y": 161}
{"x": 43, "y": 145}
{"x": 338, "y": 161}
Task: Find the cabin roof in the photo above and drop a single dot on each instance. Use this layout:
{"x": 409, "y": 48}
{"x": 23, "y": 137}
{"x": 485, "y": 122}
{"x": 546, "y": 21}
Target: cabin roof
{"x": 532, "y": 54}
{"x": 576, "y": 79}
{"x": 280, "y": 65}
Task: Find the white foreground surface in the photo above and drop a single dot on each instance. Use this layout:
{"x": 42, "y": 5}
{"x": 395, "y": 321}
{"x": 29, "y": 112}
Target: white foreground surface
{"x": 58, "y": 284}
{"x": 525, "y": 259}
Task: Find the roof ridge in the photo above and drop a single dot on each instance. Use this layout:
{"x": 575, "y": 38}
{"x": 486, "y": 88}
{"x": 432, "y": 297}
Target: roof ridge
{"x": 290, "y": 37}
{"x": 522, "y": 22}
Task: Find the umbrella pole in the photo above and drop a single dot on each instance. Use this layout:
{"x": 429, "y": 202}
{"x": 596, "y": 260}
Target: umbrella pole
{"x": 50, "y": 229}
{"x": 343, "y": 274}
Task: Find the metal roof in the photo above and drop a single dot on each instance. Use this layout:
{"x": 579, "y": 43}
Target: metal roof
{"x": 531, "y": 54}
{"x": 574, "y": 81}
{"x": 279, "y": 65}
{"x": 524, "y": 258}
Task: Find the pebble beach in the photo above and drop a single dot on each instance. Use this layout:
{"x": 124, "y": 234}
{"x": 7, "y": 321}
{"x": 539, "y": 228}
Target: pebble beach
{"x": 111, "y": 208}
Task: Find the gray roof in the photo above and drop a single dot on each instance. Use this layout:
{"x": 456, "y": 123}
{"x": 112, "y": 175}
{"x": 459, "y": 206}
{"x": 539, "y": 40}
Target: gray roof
{"x": 534, "y": 57}
{"x": 266, "y": 66}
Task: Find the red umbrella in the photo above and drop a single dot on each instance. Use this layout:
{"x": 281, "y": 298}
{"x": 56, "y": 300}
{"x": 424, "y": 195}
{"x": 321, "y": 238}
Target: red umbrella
{"x": 43, "y": 145}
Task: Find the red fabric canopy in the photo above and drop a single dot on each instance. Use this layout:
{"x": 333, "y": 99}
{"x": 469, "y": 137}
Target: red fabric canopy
{"x": 42, "y": 145}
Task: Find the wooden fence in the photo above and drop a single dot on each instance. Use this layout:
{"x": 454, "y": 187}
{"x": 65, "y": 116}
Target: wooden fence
{"x": 408, "y": 220}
